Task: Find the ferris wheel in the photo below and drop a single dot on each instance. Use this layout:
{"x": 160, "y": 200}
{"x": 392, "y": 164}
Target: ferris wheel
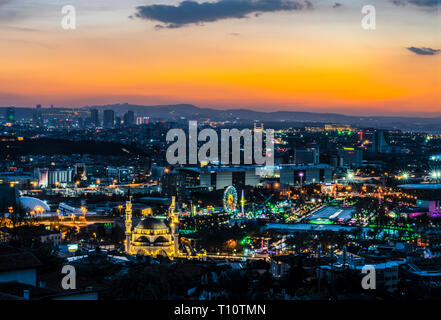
{"x": 230, "y": 199}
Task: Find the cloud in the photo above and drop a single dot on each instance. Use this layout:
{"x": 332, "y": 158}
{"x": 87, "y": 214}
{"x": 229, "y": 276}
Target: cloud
{"x": 424, "y": 51}
{"x": 19, "y": 29}
{"x": 192, "y": 12}
{"x": 430, "y": 4}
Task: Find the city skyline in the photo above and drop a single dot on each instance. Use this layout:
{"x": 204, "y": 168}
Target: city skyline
{"x": 301, "y": 56}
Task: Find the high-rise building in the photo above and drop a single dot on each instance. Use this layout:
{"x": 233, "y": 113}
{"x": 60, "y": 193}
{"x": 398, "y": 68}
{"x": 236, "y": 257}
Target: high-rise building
{"x": 379, "y": 144}
{"x": 350, "y": 157}
{"x": 52, "y": 177}
{"x": 94, "y": 117}
{"x": 10, "y": 115}
{"x": 38, "y": 116}
{"x": 129, "y": 119}
{"x": 109, "y": 119}
{"x": 142, "y": 120}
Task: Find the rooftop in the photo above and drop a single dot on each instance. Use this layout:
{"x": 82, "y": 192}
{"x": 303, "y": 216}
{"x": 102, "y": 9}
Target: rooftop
{"x": 422, "y": 186}
{"x": 12, "y": 258}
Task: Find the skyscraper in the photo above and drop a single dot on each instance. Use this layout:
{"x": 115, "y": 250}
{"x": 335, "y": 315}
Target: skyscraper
{"x": 94, "y": 117}
{"x": 142, "y": 120}
{"x": 38, "y": 116}
{"x": 10, "y": 115}
{"x": 379, "y": 144}
{"x": 109, "y": 119}
{"x": 129, "y": 119}
{"x": 350, "y": 157}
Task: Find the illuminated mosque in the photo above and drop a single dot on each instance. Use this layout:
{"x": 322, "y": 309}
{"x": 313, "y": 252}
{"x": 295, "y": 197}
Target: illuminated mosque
{"x": 151, "y": 236}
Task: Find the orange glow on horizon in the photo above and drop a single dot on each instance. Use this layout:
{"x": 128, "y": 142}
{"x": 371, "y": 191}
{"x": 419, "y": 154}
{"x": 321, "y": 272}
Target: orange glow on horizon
{"x": 276, "y": 62}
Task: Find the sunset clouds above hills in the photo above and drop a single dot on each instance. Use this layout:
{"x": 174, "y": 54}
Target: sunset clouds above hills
{"x": 261, "y": 54}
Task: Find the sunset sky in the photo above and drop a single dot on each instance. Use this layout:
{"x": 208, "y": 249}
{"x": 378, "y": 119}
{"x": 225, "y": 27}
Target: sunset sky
{"x": 258, "y": 54}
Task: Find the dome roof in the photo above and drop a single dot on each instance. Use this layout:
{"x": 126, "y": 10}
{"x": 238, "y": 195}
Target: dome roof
{"x": 150, "y": 223}
{"x": 34, "y": 204}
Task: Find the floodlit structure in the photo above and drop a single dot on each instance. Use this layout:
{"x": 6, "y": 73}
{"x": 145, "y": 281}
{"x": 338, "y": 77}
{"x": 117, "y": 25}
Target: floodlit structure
{"x": 152, "y": 236}
{"x": 31, "y": 204}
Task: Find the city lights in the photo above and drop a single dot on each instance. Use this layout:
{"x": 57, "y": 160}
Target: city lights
{"x": 350, "y": 175}
{"x": 435, "y": 175}
{"x": 222, "y": 154}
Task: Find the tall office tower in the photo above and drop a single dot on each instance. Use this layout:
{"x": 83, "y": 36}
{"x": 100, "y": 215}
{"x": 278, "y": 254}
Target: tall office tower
{"x": 379, "y": 144}
{"x": 142, "y": 120}
{"x": 350, "y": 157}
{"x": 129, "y": 119}
{"x": 94, "y": 117}
{"x": 109, "y": 119}
{"x": 38, "y": 116}
{"x": 10, "y": 115}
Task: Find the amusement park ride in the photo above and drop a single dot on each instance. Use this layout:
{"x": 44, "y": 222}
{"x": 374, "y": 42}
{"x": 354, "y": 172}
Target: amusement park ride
{"x": 230, "y": 201}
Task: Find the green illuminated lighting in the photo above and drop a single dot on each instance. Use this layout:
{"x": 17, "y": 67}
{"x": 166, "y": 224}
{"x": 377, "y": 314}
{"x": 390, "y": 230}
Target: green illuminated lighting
{"x": 321, "y": 221}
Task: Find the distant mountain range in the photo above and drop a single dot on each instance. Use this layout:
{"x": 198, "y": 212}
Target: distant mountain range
{"x": 182, "y": 112}
{"x": 191, "y": 112}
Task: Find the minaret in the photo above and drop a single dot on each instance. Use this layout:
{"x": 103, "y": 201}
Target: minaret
{"x": 242, "y": 203}
{"x": 128, "y": 223}
{"x": 174, "y": 225}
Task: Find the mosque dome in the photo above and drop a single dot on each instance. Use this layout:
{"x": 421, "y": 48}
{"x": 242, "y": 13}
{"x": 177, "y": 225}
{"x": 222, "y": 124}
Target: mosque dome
{"x": 150, "y": 223}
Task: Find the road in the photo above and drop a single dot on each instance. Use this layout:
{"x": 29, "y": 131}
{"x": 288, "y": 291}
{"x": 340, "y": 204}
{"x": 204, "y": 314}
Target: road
{"x": 237, "y": 257}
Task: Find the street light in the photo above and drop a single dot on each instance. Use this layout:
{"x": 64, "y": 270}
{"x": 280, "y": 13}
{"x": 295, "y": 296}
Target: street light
{"x": 301, "y": 175}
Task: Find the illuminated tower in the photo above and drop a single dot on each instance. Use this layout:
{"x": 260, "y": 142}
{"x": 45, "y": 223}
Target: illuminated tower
{"x": 128, "y": 223}
{"x": 242, "y": 203}
{"x": 256, "y": 128}
{"x": 174, "y": 225}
